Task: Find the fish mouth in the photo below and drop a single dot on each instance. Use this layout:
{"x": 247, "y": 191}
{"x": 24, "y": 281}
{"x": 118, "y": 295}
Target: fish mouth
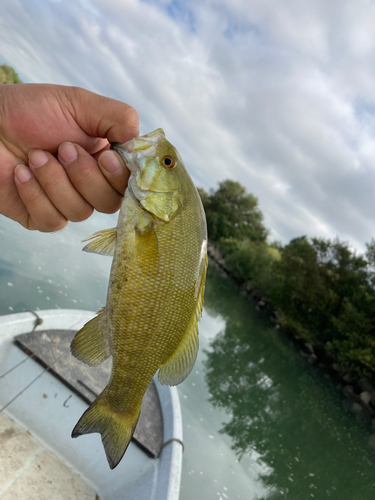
{"x": 135, "y": 150}
{"x": 139, "y": 145}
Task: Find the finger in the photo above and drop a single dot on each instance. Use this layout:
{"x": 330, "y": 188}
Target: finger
{"x": 42, "y": 214}
{"x": 114, "y": 170}
{"x": 101, "y": 116}
{"x": 87, "y": 178}
{"x": 96, "y": 154}
{"x": 57, "y": 186}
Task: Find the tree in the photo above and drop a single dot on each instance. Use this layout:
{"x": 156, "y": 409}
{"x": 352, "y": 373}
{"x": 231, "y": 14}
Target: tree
{"x": 298, "y": 290}
{"x": 252, "y": 261}
{"x": 231, "y": 212}
{"x": 323, "y": 292}
{"x": 8, "y": 74}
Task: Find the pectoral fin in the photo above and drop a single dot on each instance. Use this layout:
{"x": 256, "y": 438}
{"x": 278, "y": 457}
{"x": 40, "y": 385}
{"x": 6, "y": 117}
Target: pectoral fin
{"x": 90, "y": 344}
{"x": 104, "y": 242}
{"x": 147, "y": 245}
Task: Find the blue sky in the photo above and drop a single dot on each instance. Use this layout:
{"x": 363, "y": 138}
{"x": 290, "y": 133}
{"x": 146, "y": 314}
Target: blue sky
{"x": 277, "y": 95}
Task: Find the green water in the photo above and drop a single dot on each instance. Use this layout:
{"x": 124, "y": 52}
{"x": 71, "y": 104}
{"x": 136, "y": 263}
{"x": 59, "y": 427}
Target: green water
{"x": 259, "y": 421}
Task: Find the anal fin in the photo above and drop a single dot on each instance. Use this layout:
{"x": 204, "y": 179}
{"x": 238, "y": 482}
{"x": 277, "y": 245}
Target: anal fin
{"x": 179, "y": 365}
{"x": 90, "y": 344}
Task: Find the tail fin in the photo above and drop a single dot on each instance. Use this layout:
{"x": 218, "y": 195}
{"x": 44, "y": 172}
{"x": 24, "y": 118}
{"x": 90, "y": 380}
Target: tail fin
{"x": 115, "y": 428}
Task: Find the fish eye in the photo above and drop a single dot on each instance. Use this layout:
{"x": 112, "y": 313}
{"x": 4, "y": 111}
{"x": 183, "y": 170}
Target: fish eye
{"x": 168, "y": 162}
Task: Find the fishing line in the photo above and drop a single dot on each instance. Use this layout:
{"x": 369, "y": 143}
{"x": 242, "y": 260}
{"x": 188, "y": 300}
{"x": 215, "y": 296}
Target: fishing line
{"x": 169, "y": 441}
{"x": 25, "y": 388}
{"x": 46, "y": 369}
{"x": 38, "y": 321}
{"x": 18, "y": 364}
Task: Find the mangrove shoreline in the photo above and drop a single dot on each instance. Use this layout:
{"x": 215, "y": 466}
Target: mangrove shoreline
{"x": 359, "y": 391}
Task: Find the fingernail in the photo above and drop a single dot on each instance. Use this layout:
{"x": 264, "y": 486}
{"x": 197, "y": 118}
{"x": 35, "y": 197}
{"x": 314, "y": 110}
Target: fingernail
{"x": 67, "y": 152}
{"x": 37, "y": 157}
{"x": 110, "y": 162}
{"x": 23, "y": 173}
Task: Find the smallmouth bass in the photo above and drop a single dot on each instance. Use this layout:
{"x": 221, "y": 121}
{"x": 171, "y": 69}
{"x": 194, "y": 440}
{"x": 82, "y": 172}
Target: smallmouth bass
{"x": 155, "y": 292}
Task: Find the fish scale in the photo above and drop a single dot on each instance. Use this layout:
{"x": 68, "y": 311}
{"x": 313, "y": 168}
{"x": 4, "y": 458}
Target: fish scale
{"x": 155, "y": 291}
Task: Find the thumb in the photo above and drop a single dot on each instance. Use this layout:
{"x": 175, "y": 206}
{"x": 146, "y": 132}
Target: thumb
{"x": 101, "y": 116}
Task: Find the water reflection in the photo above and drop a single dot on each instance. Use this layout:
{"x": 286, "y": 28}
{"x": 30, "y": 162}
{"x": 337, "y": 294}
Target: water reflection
{"x": 282, "y": 408}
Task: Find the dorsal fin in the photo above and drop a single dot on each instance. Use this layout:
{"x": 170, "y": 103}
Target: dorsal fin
{"x": 201, "y": 289}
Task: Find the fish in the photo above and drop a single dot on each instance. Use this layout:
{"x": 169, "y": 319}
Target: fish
{"x": 155, "y": 292}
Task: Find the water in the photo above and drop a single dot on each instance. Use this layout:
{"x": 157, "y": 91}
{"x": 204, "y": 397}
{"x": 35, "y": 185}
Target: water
{"x": 259, "y": 421}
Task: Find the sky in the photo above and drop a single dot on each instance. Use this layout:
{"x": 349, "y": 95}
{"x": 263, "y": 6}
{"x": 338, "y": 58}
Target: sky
{"x": 276, "y": 94}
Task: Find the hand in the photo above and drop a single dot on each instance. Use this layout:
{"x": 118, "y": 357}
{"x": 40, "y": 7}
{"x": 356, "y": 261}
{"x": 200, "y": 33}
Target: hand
{"x": 54, "y": 166}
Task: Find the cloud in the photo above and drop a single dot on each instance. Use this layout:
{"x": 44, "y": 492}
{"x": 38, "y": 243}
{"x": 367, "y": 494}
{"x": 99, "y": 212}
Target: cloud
{"x": 279, "y": 96}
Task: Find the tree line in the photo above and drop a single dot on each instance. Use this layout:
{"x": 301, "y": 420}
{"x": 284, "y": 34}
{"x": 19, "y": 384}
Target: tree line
{"x": 322, "y": 290}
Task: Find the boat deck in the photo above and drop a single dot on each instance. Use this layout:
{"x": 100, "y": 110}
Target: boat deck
{"x": 43, "y": 393}
{"x": 29, "y": 470}
{"x": 51, "y": 349}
